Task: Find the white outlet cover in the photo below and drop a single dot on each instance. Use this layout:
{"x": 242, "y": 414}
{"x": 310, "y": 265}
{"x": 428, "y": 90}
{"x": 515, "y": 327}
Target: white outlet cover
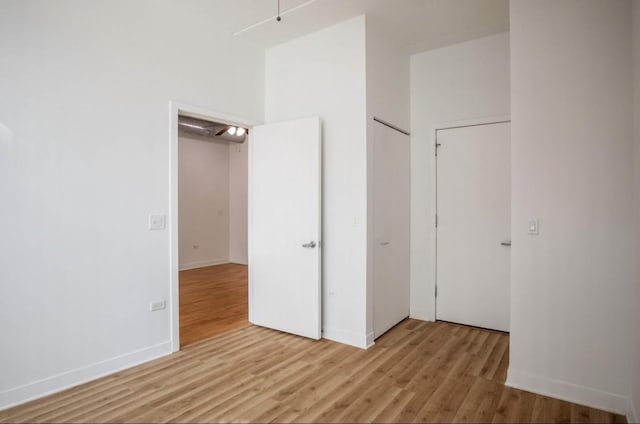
{"x": 157, "y": 222}
{"x": 534, "y": 227}
{"x": 157, "y": 306}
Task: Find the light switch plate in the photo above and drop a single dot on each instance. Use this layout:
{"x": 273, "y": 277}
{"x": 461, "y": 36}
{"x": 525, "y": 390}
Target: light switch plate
{"x": 533, "y": 228}
{"x": 157, "y": 222}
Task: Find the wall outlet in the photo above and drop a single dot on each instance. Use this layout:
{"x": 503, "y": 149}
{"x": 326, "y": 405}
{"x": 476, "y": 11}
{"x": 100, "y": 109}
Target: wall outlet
{"x": 533, "y": 228}
{"x": 157, "y": 222}
{"x": 158, "y": 306}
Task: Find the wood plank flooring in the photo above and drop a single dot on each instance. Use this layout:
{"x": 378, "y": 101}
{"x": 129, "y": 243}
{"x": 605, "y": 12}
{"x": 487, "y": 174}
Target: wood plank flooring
{"x": 417, "y": 372}
{"x": 213, "y": 300}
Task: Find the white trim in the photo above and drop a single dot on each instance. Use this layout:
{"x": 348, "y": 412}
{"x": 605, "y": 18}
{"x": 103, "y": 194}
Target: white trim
{"x": 202, "y": 264}
{"x": 65, "y": 380}
{"x": 421, "y": 315}
{"x": 250, "y": 223}
{"x": 362, "y": 341}
{"x": 569, "y": 392}
{"x": 483, "y": 120}
{"x": 175, "y": 109}
{"x": 370, "y": 340}
{"x": 430, "y": 315}
{"x": 632, "y": 415}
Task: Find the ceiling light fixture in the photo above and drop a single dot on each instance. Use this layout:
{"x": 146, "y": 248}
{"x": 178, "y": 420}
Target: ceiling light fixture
{"x": 240, "y": 132}
{"x": 278, "y": 18}
{"x": 232, "y": 130}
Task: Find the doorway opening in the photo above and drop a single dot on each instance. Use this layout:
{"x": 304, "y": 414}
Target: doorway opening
{"x": 209, "y": 224}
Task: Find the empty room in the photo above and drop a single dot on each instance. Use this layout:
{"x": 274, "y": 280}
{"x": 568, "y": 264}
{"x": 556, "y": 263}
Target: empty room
{"x": 320, "y": 211}
{"x": 212, "y": 228}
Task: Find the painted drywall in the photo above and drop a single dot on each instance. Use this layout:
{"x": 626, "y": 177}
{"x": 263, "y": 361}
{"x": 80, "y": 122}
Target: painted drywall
{"x": 572, "y": 163}
{"x": 323, "y": 74}
{"x": 387, "y": 73}
{"x": 84, "y": 159}
{"x": 459, "y": 83}
{"x": 203, "y": 202}
{"x": 238, "y": 203}
{"x": 634, "y": 415}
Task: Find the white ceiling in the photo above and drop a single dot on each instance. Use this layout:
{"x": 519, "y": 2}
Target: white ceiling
{"x": 416, "y": 25}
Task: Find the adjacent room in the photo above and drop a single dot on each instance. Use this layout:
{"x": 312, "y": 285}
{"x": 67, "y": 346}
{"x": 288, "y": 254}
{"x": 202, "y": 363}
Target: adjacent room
{"x": 320, "y": 211}
{"x": 212, "y": 228}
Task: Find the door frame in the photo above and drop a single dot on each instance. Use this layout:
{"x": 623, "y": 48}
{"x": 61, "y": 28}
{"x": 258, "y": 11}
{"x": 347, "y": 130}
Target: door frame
{"x": 432, "y": 282}
{"x": 176, "y": 109}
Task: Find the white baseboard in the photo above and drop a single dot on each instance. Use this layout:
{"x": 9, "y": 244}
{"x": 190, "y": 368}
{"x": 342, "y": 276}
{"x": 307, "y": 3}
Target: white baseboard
{"x": 348, "y": 337}
{"x": 632, "y": 416}
{"x": 370, "y": 340}
{"x": 421, "y": 315}
{"x": 56, "y": 383}
{"x": 570, "y": 392}
{"x": 202, "y": 264}
{"x": 239, "y": 260}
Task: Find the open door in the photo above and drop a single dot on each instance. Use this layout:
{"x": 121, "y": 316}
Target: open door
{"x": 285, "y": 227}
{"x": 391, "y": 204}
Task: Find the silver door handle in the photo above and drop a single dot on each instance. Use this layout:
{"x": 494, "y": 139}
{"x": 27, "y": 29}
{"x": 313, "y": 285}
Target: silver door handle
{"x": 384, "y": 243}
{"x": 506, "y": 243}
{"x": 310, "y": 245}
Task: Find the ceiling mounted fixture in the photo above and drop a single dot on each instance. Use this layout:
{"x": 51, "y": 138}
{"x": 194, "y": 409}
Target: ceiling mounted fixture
{"x": 236, "y": 131}
{"x": 218, "y": 131}
{"x": 185, "y": 124}
{"x": 278, "y": 16}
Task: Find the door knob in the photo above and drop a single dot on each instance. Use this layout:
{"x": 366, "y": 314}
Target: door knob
{"x": 506, "y": 243}
{"x": 310, "y": 245}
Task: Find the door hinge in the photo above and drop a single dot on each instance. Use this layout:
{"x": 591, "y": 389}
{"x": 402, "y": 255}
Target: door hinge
{"x": 436, "y": 291}
{"x": 436, "y": 220}
{"x": 436, "y": 149}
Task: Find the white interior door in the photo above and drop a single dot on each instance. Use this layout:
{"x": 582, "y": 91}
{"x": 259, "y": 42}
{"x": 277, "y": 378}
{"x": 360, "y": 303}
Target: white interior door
{"x": 391, "y": 204}
{"x": 473, "y": 229}
{"x": 285, "y": 227}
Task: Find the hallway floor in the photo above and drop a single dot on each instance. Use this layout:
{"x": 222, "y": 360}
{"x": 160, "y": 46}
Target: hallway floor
{"x": 213, "y": 300}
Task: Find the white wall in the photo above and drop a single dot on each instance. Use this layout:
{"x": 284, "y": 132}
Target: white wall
{"x": 635, "y": 334}
{"x": 238, "y": 203}
{"x": 457, "y": 83}
{"x": 324, "y": 74}
{"x": 203, "y": 202}
{"x": 213, "y": 202}
{"x": 84, "y": 158}
{"x": 572, "y": 168}
{"x": 387, "y": 70}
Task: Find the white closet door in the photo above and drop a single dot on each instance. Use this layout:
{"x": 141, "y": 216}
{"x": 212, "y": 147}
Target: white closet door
{"x": 285, "y": 227}
{"x": 474, "y": 224}
{"x": 391, "y": 203}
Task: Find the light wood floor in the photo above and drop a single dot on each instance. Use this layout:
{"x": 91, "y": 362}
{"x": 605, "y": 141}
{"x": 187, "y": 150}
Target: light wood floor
{"x": 419, "y": 371}
{"x": 213, "y": 300}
